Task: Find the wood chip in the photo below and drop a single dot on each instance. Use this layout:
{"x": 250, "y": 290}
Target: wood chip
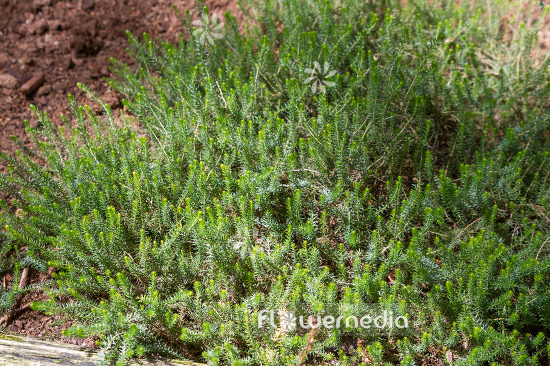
{"x": 33, "y": 83}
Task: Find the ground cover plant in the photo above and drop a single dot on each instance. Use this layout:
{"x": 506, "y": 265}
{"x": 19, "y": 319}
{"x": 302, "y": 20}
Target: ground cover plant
{"x": 338, "y": 159}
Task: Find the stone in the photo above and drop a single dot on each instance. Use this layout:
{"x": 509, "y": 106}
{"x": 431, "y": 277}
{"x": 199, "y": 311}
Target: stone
{"x": 41, "y": 101}
{"x": 86, "y": 4}
{"x": 55, "y": 25}
{"x": 8, "y": 81}
{"x": 69, "y": 63}
{"x": 78, "y": 61}
{"x": 5, "y": 59}
{"x": 41, "y": 3}
{"x": 44, "y": 90}
{"x": 26, "y": 60}
{"x": 39, "y": 27}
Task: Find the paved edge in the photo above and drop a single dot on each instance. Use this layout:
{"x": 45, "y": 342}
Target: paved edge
{"x": 23, "y": 351}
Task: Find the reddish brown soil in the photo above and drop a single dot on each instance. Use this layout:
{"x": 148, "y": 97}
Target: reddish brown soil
{"x": 70, "y": 45}
{"x": 69, "y": 41}
{"x": 35, "y": 324}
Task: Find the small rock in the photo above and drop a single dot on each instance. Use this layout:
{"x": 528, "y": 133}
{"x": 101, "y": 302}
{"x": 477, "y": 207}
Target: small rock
{"x": 30, "y": 19}
{"x": 41, "y": 101}
{"x": 86, "y": 4}
{"x": 39, "y": 27}
{"x": 40, "y": 3}
{"x": 112, "y": 100}
{"x": 8, "y": 81}
{"x": 78, "y": 61}
{"x": 19, "y": 324}
{"x": 26, "y": 60}
{"x": 69, "y": 64}
{"x": 5, "y": 59}
{"x": 44, "y": 90}
{"x": 54, "y": 25}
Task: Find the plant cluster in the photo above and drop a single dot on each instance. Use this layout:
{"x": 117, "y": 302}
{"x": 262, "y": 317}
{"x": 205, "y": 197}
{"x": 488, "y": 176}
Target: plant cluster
{"x": 342, "y": 158}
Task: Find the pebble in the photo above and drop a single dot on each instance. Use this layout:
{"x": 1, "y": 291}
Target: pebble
{"x": 26, "y": 60}
{"x": 86, "y": 4}
{"x": 5, "y": 59}
{"x": 69, "y": 63}
{"x": 8, "y": 81}
{"x": 41, "y": 3}
{"x": 39, "y": 27}
{"x": 44, "y": 90}
{"x": 55, "y": 25}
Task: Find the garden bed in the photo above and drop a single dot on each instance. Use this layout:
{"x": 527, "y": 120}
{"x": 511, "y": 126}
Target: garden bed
{"x": 319, "y": 160}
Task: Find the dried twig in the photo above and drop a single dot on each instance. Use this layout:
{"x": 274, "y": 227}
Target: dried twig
{"x": 6, "y": 319}
{"x": 310, "y": 341}
{"x": 33, "y": 83}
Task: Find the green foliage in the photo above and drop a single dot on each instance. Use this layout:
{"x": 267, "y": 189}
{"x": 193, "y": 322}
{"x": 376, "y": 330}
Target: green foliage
{"x": 415, "y": 182}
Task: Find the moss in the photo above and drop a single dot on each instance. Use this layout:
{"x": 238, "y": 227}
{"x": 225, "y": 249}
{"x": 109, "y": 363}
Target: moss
{"x": 10, "y": 337}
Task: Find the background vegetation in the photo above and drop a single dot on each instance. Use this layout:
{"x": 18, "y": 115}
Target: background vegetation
{"x": 340, "y": 158}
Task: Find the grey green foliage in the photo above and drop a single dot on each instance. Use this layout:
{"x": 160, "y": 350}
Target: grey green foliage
{"x": 417, "y": 183}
